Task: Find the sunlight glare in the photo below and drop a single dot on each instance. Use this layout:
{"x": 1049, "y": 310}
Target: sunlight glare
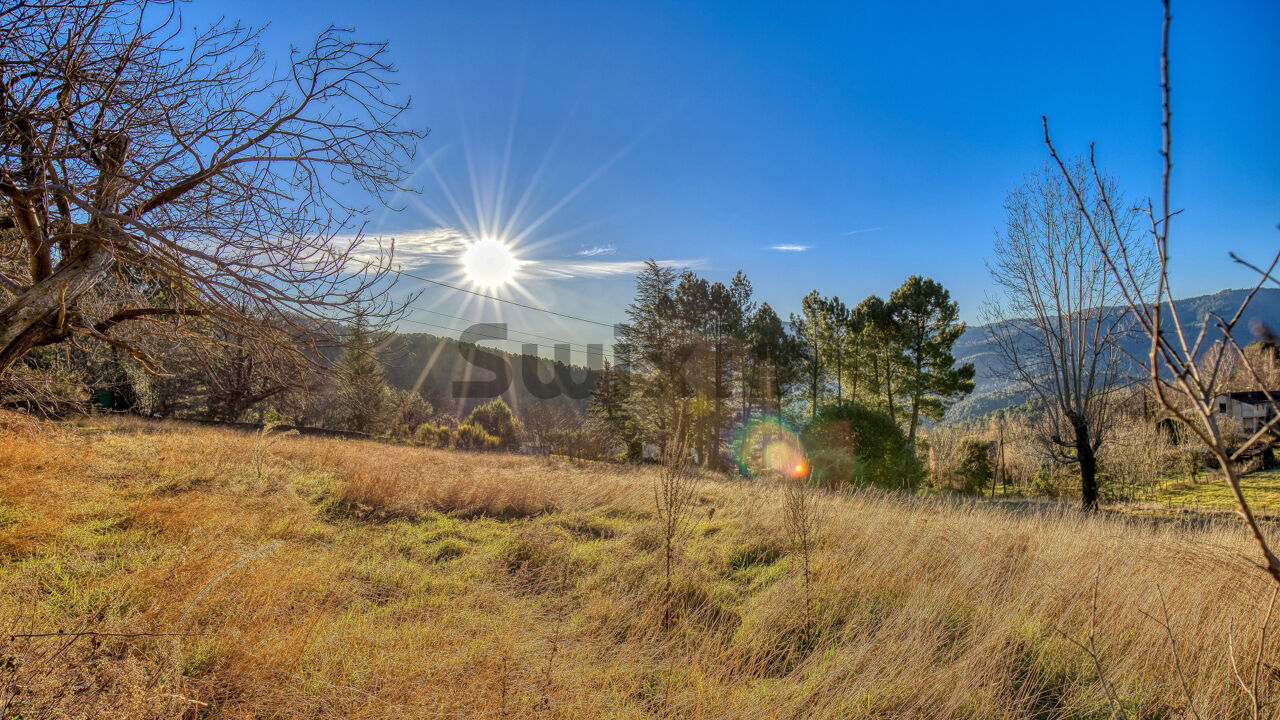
{"x": 489, "y": 263}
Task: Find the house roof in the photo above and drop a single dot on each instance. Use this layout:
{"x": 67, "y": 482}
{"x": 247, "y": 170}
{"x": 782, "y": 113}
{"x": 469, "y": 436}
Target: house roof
{"x": 1254, "y": 397}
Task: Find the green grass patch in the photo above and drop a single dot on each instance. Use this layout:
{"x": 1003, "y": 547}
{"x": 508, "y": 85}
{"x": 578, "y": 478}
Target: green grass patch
{"x": 1261, "y": 489}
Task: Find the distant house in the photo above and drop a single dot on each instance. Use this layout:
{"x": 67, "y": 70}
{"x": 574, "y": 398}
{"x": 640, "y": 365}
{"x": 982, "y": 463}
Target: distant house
{"x": 1251, "y": 409}
{"x": 537, "y": 447}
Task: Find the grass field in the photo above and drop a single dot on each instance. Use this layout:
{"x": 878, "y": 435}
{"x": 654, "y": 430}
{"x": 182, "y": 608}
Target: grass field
{"x": 1261, "y": 488}
{"x": 224, "y": 576}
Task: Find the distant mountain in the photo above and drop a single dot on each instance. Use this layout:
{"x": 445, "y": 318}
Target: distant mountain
{"x": 991, "y": 392}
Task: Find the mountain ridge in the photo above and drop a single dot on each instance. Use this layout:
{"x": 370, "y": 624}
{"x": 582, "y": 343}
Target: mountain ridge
{"x": 992, "y": 392}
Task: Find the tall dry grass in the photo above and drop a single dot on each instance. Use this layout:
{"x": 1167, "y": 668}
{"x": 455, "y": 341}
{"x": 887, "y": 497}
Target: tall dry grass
{"x": 351, "y": 579}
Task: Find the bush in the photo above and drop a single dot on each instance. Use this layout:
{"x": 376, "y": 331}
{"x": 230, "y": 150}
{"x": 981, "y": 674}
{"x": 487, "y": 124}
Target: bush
{"x": 975, "y": 464}
{"x": 434, "y": 436}
{"x": 411, "y": 410}
{"x": 470, "y": 436}
{"x": 854, "y": 444}
{"x": 496, "y": 419}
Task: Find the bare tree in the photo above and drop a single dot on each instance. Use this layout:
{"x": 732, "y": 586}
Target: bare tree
{"x": 1057, "y": 327}
{"x": 155, "y": 172}
{"x": 675, "y": 490}
{"x": 1184, "y": 369}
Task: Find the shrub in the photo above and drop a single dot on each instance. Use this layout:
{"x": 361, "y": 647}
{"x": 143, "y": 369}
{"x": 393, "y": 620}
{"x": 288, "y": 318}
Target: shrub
{"x": 975, "y": 464}
{"x": 856, "y": 444}
{"x": 410, "y": 411}
{"x": 470, "y": 436}
{"x": 496, "y": 419}
{"x": 434, "y": 436}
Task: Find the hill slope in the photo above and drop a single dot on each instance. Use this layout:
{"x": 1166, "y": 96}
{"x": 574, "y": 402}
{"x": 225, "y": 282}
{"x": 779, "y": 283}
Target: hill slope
{"x": 227, "y": 576}
{"x": 992, "y": 391}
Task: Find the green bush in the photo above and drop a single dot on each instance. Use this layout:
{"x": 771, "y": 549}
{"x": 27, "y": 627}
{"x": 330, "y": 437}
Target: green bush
{"x": 434, "y": 436}
{"x": 470, "y": 436}
{"x": 854, "y": 444}
{"x": 496, "y": 419}
{"x": 975, "y": 464}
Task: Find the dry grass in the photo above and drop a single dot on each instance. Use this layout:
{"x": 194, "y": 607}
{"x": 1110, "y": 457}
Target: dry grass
{"x": 360, "y": 580}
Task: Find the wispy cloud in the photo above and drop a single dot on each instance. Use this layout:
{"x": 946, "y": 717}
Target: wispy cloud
{"x": 414, "y": 248}
{"x": 859, "y": 232}
{"x": 596, "y": 268}
{"x": 790, "y": 248}
{"x": 445, "y": 244}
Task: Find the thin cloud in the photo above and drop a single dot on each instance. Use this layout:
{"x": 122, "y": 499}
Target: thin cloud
{"x": 418, "y": 248}
{"x": 859, "y": 232}
{"x": 790, "y": 248}
{"x": 551, "y": 269}
{"x": 413, "y": 248}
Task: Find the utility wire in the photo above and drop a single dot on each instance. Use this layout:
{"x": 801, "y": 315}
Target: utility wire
{"x": 486, "y": 337}
{"x": 570, "y": 343}
{"x": 517, "y": 303}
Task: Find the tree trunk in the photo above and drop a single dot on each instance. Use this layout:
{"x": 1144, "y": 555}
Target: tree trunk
{"x": 40, "y": 315}
{"x": 1088, "y": 465}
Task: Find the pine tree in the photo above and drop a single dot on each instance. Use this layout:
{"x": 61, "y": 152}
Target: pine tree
{"x": 775, "y": 358}
{"x": 361, "y": 399}
{"x": 656, "y": 342}
{"x": 882, "y": 338}
{"x": 927, "y": 320}
{"x": 808, "y": 333}
{"x": 834, "y": 331}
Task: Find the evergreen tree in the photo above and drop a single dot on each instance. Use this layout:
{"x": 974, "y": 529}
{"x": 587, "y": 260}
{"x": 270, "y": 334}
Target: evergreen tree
{"x": 882, "y": 338}
{"x": 740, "y": 332}
{"x": 808, "y": 333}
{"x": 926, "y": 318}
{"x": 361, "y": 398}
{"x": 775, "y": 358}
{"x": 495, "y": 417}
{"x": 834, "y": 330}
{"x": 650, "y": 342}
{"x": 612, "y": 409}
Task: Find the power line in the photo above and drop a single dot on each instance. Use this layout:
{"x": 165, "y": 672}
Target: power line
{"x": 484, "y": 337}
{"x": 570, "y": 343}
{"x": 517, "y": 303}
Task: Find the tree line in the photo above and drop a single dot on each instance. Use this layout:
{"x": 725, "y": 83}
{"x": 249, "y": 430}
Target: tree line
{"x": 704, "y": 357}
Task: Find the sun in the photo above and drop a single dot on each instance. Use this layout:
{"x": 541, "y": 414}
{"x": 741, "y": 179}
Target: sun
{"x": 489, "y": 263}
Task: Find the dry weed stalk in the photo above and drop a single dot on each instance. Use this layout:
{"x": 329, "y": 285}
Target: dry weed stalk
{"x": 1164, "y": 622}
{"x": 264, "y": 440}
{"x": 803, "y": 518}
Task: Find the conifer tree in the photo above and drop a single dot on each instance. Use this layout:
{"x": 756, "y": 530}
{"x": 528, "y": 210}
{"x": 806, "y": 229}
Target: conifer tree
{"x": 927, "y": 321}
{"x": 361, "y": 398}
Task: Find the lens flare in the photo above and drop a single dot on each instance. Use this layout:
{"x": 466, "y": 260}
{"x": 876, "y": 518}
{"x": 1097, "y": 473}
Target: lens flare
{"x": 766, "y": 447}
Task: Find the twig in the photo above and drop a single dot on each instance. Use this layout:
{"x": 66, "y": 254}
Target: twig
{"x": 1092, "y": 651}
{"x": 1173, "y": 647}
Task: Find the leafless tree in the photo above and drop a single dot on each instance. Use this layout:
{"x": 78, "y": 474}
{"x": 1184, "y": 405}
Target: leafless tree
{"x": 1057, "y": 328}
{"x": 675, "y": 490}
{"x": 154, "y": 172}
{"x": 1184, "y": 368}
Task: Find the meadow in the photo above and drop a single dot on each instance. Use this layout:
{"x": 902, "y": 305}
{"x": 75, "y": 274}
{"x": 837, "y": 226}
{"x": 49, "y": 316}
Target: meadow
{"x": 154, "y": 570}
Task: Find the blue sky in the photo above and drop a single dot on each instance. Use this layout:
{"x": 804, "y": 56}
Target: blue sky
{"x": 881, "y": 138}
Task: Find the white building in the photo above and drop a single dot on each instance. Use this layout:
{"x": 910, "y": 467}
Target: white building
{"x": 1251, "y": 410}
